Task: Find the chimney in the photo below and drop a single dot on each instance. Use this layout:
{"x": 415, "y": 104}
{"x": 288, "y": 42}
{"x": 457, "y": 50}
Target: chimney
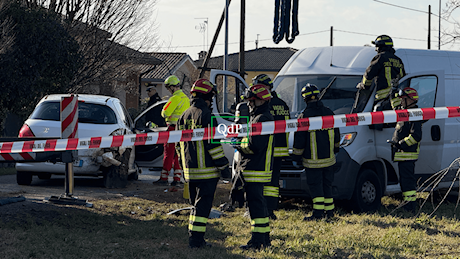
{"x": 202, "y": 55}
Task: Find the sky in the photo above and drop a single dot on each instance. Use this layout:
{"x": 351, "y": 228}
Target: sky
{"x": 354, "y": 22}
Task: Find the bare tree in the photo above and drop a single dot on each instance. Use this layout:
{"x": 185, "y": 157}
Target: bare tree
{"x": 450, "y": 34}
{"x": 103, "y": 29}
{"x": 6, "y": 29}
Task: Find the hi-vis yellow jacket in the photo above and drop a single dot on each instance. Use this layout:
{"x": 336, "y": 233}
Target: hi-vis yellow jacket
{"x": 175, "y": 106}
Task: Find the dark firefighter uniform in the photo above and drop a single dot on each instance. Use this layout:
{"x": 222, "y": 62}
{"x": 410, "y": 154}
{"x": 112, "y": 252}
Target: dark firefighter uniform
{"x": 317, "y": 149}
{"x": 202, "y": 162}
{"x": 408, "y": 135}
{"x": 384, "y": 68}
{"x": 241, "y": 117}
{"x": 255, "y": 165}
{"x": 406, "y": 148}
{"x": 279, "y": 111}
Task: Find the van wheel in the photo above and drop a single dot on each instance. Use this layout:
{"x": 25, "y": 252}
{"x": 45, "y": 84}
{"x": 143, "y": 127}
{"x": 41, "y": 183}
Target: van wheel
{"x": 44, "y": 176}
{"x": 23, "y": 178}
{"x": 117, "y": 176}
{"x": 368, "y": 192}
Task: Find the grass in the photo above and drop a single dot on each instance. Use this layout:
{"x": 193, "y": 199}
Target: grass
{"x": 7, "y": 171}
{"x": 133, "y": 227}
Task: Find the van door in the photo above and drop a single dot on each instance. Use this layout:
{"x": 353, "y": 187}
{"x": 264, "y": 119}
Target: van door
{"x": 230, "y": 86}
{"x": 431, "y": 147}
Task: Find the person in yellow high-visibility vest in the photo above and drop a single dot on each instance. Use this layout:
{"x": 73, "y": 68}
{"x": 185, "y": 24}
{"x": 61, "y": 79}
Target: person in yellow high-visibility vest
{"x": 171, "y": 112}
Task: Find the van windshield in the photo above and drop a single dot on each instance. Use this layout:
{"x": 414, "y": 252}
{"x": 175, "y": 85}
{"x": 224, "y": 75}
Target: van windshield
{"x": 339, "y": 97}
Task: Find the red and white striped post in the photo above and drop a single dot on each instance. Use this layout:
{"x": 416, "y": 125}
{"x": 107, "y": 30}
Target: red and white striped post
{"x": 69, "y": 129}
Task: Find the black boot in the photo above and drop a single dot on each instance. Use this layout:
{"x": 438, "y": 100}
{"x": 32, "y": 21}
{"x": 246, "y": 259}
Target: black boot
{"x": 196, "y": 240}
{"x": 272, "y": 215}
{"x": 257, "y": 242}
{"x": 410, "y": 207}
{"x": 317, "y": 214}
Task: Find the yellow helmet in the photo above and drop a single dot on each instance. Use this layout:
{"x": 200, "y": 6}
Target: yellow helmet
{"x": 172, "y": 81}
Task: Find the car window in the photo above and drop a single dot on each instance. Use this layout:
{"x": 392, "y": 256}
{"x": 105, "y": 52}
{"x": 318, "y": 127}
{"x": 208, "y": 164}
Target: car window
{"x": 87, "y": 113}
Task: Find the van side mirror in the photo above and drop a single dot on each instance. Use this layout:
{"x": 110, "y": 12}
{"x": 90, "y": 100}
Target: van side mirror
{"x": 435, "y": 133}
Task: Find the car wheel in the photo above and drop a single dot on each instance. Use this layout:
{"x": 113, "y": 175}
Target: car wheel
{"x": 117, "y": 176}
{"x": 133, "y": 176}
{"x": 368, "y": 192}
{"x": 23, "y": 178}
{"x": 44, "y": 176}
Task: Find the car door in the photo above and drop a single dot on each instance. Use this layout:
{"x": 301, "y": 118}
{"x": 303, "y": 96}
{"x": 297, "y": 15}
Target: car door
{"x": 149, "y": 156}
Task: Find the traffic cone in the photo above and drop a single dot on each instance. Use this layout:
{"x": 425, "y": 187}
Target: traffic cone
{"x": 186, "y": 193}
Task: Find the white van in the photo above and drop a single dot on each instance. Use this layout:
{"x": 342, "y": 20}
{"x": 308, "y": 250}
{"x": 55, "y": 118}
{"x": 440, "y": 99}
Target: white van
{"x": 364, "y": 170}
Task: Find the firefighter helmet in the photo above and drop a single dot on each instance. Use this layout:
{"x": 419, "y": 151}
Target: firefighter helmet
{"x": 203, "y": 88}
{"x": 172, "y": 81}
{"x": 263, "y": 79}
{"x": 257, "y": 91}
{"x": 383, "y": 40}
{"x": 408, "y": 92}
{"x": 310, "y": 92}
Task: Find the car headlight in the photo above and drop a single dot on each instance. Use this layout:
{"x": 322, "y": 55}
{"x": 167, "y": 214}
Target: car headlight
{"x": 347, "y": 139}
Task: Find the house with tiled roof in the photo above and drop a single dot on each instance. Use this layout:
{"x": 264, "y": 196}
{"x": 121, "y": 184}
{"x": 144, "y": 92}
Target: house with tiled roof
{"x": 262, "y": 60}
{"x": 179, "y": 64}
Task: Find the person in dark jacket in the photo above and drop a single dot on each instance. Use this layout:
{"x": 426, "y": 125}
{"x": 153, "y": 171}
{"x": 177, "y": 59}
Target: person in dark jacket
{"x": 386, "y": 68}
{"x": 316, "y": 149}
{"x": 154, "y": 115}
{"x": 255, "y": 165}
{"x": 406, "y": 146}
{"x": 202, "y": 161}
{"x": 279, "y": 111}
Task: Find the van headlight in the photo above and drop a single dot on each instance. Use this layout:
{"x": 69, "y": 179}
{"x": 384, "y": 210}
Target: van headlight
{"x": 347, "y": 139}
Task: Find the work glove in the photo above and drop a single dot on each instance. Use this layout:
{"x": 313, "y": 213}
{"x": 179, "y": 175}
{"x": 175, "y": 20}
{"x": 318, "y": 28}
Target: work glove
{"x": 234, "y": 142}
{"x": 151, "y": 124}
{"x": 360, "y": 86}
{"x": 226, "y": 174}
{"x": 395, "y": 144}
{"x": 297, "y": 161}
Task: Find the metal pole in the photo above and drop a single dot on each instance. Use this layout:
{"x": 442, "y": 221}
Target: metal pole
{"x": 242, "y": 28}
{"x": 332, "y": 35}
{"x": 213, "y": 44}
{"x": 429, "y": 27}
{"x": 224, "y": 90}
{"x": 439, "y": 33}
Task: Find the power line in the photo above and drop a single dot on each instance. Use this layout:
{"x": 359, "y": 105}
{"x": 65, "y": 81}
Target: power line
{"x": 368, "y": 34}
{"x": 415, "y": 10}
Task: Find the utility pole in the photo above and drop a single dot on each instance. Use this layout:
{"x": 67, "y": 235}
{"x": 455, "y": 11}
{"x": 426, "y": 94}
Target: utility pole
{"x": 224, "y": 90}
{"x": 332, "y": 36}
{"x": 257, "y": 42}
{"x": 439, "y": 33}
{"x": 242, "y": 36}
{"x": 429, "y": 27}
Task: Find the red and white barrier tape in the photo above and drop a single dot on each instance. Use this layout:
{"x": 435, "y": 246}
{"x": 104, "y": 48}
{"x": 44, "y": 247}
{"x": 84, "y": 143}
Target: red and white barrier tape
{"x": 272, "y": 127}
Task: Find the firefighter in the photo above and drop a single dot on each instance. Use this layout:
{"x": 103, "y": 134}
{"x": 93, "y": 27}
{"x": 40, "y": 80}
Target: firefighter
{"x": 279, "y": 111}
{"x": 154, "y": 115}
{"x": 386, "y": 68}
{"x": 202, "y": 161}
{"x": 237, "y": 191}
{"x": 316, "y": 149}
{"x": 255, "y": 165}
{"x": 406, "y": 146}
{"x": 171, "y": 112}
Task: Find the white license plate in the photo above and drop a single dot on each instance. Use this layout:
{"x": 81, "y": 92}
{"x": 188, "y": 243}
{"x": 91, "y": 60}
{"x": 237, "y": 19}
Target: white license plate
{"x": 78, "y": 163}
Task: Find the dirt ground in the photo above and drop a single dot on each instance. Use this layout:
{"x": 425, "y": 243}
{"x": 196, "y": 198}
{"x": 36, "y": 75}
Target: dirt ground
{"x": 85, "y": 189}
